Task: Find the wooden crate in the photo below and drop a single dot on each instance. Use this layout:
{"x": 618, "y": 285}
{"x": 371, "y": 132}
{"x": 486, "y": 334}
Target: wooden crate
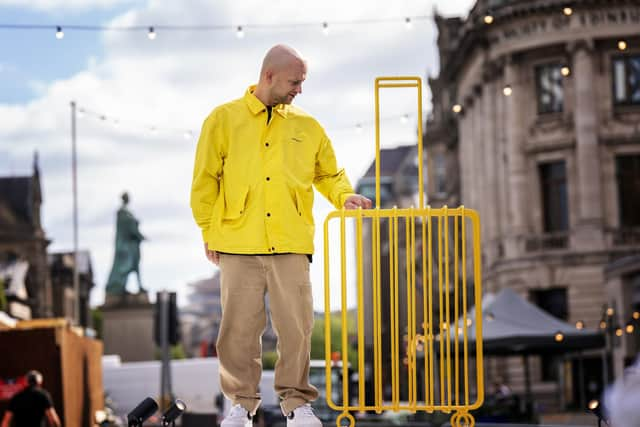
{"x": 70, "y": 364}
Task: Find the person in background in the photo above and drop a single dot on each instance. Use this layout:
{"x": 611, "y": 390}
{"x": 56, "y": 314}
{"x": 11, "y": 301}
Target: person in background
{"x": 31, "y": 406}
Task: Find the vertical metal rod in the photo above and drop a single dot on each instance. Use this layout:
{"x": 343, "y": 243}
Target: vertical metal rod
{"x": 430, "y": 324}
{"x": 463, "y": 266}
{"x": 392, "y": 315}
{"x": 447, "y": 302}
{"x": 74, "y": 178}
{"x": 343, "y": 287}
{"x": 441, "y": 307}
{"x": 424, "y": 311}
{"x": 456, "y": 309}
{"x": 396, "y": 292}
{"x": 361, "y": 367}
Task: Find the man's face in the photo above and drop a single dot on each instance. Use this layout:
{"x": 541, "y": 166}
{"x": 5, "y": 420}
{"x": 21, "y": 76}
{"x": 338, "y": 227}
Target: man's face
{"x": 287, "y": 83}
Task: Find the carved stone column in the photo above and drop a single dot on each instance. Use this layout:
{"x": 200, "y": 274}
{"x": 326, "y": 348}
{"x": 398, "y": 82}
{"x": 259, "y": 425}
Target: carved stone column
{"x": 589, "y": 182}
{"x": 517, "y": 190}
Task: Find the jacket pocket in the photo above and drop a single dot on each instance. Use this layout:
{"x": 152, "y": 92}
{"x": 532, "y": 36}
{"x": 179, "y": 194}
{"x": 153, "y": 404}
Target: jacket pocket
{"x": 304, "y": 204}
{"x": 235, "y": 203}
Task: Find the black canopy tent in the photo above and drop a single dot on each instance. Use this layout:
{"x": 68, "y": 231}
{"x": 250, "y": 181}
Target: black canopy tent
{"x": 513, "y": 326}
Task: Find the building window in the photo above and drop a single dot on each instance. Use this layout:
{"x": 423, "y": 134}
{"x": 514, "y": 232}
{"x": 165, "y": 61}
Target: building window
{"x": 554, "y": 302}
{"x": 553, "y": 184}
{"x": 628, "y": 176}
{"x": 551, "y": 300}
{"x": 549, "y": 88}
{"x": 626, "y": 80}
{"x": 441, "y": 173}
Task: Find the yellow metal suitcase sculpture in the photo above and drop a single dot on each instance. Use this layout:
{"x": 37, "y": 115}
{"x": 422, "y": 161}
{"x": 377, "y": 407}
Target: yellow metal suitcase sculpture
{"x": 423, "y": 361}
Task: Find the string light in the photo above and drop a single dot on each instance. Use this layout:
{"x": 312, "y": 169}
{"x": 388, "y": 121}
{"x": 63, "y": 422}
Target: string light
{"x": 151, "y": 34}
{"x": 408, "y": 20}
{"x": 325, "y": 28}
{"x": 636, "y": 315}
{"x": 507, "y": 91}
{"x": 629, "y": 328}
{"x": 457, "y": 108}
{"x": 610, "y": 311}
{"x": 579, "y": 324}
{"x": 565, "y": 71}
{"x": 188, "y": 134}
{"x": 622, "y": 45}
{"x": 603, "y": 324}
{"x": 239, "y": 32}
{"x": 618, "y": 332}
{"x": 488, "y": 18}
{"x": 558, "y": 336}
{"x": 59, "y": 33}
{"x": 408, "y": 23}
{"x": 567, "y": 11}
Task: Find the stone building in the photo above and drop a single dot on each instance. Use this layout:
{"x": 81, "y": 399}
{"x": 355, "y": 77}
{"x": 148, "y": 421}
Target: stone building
{"x": 48, "y": 278}
{"x": 535, "y": 124}
{"x": 22, "y": 238}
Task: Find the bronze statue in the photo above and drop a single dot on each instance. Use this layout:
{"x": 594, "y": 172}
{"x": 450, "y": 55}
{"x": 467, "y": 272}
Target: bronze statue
{"x": 127, "y": 256}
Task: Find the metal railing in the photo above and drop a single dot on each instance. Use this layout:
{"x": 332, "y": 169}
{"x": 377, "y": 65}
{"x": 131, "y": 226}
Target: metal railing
{"x": 422, "y": 277}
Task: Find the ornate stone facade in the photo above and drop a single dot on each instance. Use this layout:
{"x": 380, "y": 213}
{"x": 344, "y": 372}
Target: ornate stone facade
{"x": 544, "y": 136}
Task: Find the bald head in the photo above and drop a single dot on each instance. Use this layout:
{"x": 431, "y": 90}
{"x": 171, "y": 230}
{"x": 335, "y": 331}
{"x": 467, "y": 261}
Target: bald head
{"x": 281, "y": 76}
{"x": 280, "y": 57}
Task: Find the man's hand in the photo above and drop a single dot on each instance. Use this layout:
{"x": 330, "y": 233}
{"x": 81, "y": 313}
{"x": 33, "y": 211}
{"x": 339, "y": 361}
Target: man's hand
{"x": 357, "y": 201}
{"x": 212, "y": 255}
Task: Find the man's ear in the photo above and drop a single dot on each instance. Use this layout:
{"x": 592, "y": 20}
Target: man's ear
{"x": 269, "y": 76}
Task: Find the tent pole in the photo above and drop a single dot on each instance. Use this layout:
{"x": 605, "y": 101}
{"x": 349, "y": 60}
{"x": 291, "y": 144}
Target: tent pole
{"x": 581, "y": 380}
{"x": 527, "y": 386}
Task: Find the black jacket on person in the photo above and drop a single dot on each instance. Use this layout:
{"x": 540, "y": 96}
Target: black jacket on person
{"x": 28, "y": 407}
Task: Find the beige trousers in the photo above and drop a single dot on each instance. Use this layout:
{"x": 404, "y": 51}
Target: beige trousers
{"x": 244, "y": 280}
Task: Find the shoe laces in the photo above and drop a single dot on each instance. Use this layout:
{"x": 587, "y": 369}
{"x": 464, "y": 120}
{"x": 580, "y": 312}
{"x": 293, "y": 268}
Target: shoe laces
{"x": 237, "y": 411}
{"x": 303, "y": 411}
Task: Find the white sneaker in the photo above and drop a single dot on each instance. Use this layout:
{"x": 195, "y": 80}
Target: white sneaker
{"x": 237, "y": 417}
{"x": 303, "y": 416}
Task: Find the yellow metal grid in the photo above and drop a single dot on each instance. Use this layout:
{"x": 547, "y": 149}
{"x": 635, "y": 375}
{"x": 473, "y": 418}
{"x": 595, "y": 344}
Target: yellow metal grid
{"x": 423, "y": 245}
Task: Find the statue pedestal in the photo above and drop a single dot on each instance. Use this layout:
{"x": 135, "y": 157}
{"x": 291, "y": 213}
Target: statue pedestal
{"x": 127, "y": 327}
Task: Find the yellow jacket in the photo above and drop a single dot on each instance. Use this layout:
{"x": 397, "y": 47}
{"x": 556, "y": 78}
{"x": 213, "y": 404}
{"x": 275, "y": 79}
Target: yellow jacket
{"x": 251, "y": 190}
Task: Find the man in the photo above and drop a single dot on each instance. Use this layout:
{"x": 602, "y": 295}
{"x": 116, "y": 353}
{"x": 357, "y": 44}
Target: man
{"x": 31, "y": 406}
{"x": 252, "y": 196}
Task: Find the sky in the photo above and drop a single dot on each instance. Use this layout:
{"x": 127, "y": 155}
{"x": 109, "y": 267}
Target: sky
{"x": 146, "y": 100}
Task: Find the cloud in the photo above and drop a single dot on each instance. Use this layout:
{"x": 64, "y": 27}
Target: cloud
{"x": 64, "y": 5}
{"x": 172, "y": 83}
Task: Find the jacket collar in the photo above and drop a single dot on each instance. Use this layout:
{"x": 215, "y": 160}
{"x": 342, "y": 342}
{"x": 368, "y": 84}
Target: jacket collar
{"x": 256, "y": 106}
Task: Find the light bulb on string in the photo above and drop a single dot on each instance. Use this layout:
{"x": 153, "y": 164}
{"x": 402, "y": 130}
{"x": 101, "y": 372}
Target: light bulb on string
{"x": 325, "y": 28}
{"x": 188, "y": 135}
{"x": 80, "y": 113}
{"x": 407, "y": 23}
{"x": 359, "y": 128}
{"x": 567, "y": 11}
{"x": 151, "y": 34}
{"x": 488, "y": 18}
{"x": 565, "y": 71}
{"x": 59, "y": 33}
{"x": 404, "y": 119}
{"x": 622, "y": 45}
{"x": 507, "y": 90}
{"x": 239, "y": 32}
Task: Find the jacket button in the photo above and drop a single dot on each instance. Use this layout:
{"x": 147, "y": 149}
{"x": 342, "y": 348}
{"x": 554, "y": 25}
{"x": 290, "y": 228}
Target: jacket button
{"x": 268, "y": 179}
{"x": 266, "y": 144}
{"x": 268, "y": 213}
{"x": 273, "y": 249}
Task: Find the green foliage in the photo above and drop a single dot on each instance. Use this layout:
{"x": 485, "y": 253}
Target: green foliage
{"x": 3, "y": 297}
{"x": 96, "y": 321}
{"x": 318, "y": 334}
{"x": 269, "y": 359}
{"x": 175, "y": 352}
